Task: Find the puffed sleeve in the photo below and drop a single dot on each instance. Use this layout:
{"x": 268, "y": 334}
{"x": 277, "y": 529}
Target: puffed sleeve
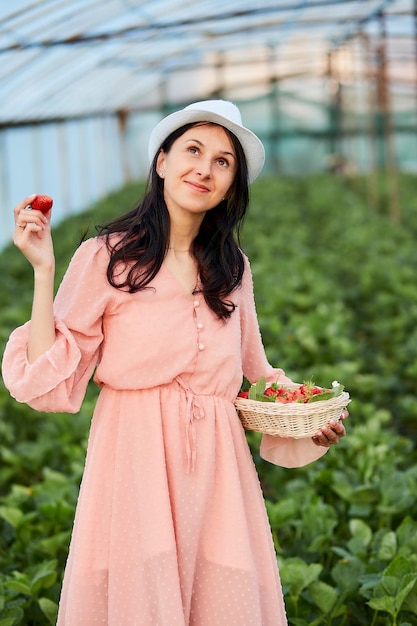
{"x": 283, "y": 451}
{"x": 57, "y": 380}
{"x": 254, "y": 361}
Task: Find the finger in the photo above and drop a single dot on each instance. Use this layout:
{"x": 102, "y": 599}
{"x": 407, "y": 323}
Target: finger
{"x": 335, "y": 431}
{"x": 25, "y": 217}
{"x": 24, "y": 226}
{"x": 22, "y": 235}
{"x": 320, "y": 440}
{"x": 24, "y": 203}
{"x": 330, "y": 434}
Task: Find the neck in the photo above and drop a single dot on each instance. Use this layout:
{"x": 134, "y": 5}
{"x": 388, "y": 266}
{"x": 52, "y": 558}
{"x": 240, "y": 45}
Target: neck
{"x": 177, "y": 249}
{"x": 183, "y": 230}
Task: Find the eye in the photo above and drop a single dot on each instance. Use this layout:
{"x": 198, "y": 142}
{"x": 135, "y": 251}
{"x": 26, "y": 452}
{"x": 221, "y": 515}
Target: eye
{"x": 193, "y": 149}
{"x": 223, "y": 162}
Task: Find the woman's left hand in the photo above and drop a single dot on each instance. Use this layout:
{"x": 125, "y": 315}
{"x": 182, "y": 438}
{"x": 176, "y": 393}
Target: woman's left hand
{"x": 330, "y": 434}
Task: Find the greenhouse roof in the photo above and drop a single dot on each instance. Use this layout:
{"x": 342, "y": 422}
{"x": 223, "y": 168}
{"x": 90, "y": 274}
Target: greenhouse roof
{"x": 65, "y": 59}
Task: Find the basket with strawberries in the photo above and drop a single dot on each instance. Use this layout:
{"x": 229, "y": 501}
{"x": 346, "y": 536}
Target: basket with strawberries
{"x": 290, "y": 409}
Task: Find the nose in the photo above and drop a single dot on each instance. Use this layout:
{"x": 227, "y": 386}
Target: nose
{"x": 204, "y": 168}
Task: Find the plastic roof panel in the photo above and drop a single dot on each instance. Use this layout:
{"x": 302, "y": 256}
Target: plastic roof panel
{"x": 73, "y": 58}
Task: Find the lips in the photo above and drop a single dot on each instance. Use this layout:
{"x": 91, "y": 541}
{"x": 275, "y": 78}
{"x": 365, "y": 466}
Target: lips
{"x": 197, "y": 186}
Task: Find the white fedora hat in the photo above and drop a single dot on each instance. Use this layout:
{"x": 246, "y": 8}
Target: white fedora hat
{"x": 219, "y": 112}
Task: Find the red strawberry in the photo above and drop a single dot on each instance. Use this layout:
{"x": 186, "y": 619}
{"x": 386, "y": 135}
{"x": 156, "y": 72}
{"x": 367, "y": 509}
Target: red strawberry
{"x": 316, "y": 390}
{"x": 283, "y": 399}
{"x": 42, "y": 203}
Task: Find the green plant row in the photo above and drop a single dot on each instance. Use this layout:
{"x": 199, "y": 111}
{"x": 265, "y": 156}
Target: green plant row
{"x": 337, "y": 299}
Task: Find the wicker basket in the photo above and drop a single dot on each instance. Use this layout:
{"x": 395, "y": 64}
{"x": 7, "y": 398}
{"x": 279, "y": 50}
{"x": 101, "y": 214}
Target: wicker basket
{"x": 293, "y": 419}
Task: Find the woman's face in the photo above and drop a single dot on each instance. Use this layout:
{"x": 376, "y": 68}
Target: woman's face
{"x": 198, "y": 170}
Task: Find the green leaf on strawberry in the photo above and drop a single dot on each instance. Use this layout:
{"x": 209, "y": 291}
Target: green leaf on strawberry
{"x": 257, "y": 389}
{"x": 263, "y": 398}
{"x": 328, "y": 394}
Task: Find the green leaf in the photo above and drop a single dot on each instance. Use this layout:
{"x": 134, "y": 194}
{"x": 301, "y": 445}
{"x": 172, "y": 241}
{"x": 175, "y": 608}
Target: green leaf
{"x": 12, "y": 515}
{"x": 399, "y": 568}
{"x": 11, "y": 616}
{"x": 407, "y": 535}
{"x": 282, "y": 511}
{"x": 388, "y": 547}
{"x": 20, "y": 586}
{"x": 43, "y": 576}
{"x": 298, "y": 575}
{"x": 410, "y": 603}
{"x": 323, "y": 596}
{"x": 327, "y": 395}
{"x": 257, "y": 389}
{"x": 361, "y": 530}
{"x": 386, "y": 603}
{"x": 52, "y": 545}
{"x": 49, "y": 609}
{"x": 391, "y": 592}
{"x": 264, "y": 398}
{"x": 347, "y": 574}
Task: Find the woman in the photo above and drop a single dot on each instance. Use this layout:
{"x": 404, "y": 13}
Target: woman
{"x": 170, "y": 527}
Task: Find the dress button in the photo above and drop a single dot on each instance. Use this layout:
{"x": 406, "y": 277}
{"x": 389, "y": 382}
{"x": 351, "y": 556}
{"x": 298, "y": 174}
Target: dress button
{"x": 196, "y": 303}
{"x": 200, "y": 326}
{"x": 201, "y": 346}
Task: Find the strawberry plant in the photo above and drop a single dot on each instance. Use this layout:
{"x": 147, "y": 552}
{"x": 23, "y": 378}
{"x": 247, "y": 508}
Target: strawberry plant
{"x": 337, "y": 298}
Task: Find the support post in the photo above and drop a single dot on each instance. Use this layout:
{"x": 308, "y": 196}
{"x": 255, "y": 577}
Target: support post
{"x": 335, "y": 160}
{"x": 387, "y": 123}
{"x": 415, "y": 44}
{"x": 220, "y": 80}
{"x": 64, "y": 169}
{"x": 274, "y": 137}
{"x": 122, "y": 123}
{"x": 5, "y": 200}
{"x": 370, "y": 123}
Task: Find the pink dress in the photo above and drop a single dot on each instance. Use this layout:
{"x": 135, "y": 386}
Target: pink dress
{"x": 170, "y": 527}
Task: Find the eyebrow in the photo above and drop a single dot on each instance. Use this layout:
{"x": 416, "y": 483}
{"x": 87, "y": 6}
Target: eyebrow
{"x": 200, "y": 143}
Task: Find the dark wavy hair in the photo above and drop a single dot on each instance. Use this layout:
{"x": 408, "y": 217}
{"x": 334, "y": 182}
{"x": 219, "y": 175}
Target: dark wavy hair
{"x": 137, "y": 254}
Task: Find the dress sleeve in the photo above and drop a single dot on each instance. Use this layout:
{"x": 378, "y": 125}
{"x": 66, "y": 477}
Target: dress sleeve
{"x": 283, "y": 451}
{"x": 57, "y": 380}
{"x": 254, "y": 360}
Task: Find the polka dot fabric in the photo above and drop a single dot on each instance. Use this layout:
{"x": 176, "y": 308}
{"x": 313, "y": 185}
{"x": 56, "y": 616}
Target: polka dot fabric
{"x": 170, "y": 527}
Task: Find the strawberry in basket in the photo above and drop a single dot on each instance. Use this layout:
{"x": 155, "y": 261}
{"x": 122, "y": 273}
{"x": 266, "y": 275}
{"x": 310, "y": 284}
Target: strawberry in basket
{"x": 307, "y": 392}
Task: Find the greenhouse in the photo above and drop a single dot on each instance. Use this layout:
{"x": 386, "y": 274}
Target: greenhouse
{"x": 330, "y": 88}
{"x": 326, "y": 84}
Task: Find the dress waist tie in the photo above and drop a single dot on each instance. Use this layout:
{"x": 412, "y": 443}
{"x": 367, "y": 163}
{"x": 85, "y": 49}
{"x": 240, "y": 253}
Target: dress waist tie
{"x": 193, "y": 412}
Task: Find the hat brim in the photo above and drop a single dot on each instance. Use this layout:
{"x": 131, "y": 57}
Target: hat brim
{"x": 252, "y": 146}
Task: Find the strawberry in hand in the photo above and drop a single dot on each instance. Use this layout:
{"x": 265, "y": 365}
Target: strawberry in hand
{"x": 41, "y": 203}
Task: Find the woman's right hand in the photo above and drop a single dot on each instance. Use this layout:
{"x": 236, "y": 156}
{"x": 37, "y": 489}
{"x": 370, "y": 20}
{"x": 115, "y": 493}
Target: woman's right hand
{"x": 32, "y": 235}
